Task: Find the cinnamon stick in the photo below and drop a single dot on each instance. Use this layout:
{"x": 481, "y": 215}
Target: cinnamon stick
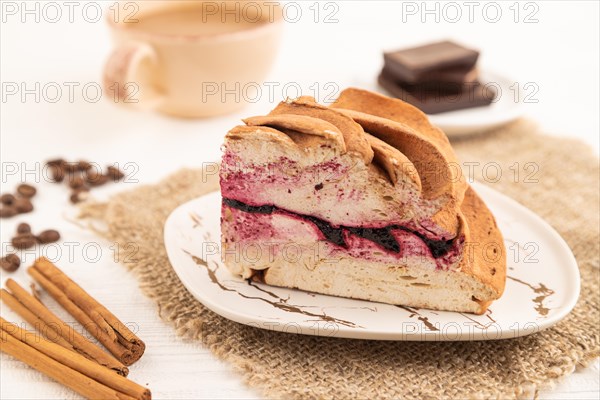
{"x": 98, "y": 320}
{"x": 78, "y": 313}
{"x": 79, "y": 343}
{"x": 77, "y": 362}
{"x": 69, "y": 377}
{"x": 35, "y": 321}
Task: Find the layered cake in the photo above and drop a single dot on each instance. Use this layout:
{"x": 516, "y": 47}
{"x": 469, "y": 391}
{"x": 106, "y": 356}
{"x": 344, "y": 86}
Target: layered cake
{"x": 363, "y": 199}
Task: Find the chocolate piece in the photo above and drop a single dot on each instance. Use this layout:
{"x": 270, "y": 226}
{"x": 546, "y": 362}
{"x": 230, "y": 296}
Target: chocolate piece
{"x": 439, "y": 101}
{"x": 450, "y": 75}
{"x": 446, "y": 79}
{"x": 413, "y": 65}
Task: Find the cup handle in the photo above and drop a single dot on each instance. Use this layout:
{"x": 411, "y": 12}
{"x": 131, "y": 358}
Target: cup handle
{"x": 123, "y": 80}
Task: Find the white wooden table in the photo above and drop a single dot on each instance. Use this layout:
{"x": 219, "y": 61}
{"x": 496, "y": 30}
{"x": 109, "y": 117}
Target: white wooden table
{"x": 559, "y": 53}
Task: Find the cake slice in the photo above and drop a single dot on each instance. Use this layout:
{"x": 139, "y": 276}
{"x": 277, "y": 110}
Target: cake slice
{"x": 364, "y": 199}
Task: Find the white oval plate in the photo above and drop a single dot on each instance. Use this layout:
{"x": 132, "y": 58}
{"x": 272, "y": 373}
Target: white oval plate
{"x": 506, "y": 108}
{"x": 541, "y": 289}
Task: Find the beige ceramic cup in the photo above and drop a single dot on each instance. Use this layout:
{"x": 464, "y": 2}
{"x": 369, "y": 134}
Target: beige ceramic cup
{"x": 191, "y": 74}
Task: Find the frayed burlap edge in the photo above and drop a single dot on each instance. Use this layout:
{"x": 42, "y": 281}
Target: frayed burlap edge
{"x": 558, "y": 179}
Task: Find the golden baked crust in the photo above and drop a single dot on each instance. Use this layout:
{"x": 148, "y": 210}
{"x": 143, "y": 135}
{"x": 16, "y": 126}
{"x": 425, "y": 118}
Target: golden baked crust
{"x": 393, "y": 162}
{"x": 353, "y": 134}
{"x": 392, "y": 109}
{"x": 301, "y": 124}
{"x": 485, "y": 255}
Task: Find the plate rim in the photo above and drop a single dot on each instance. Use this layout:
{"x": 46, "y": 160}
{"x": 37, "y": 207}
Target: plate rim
{"x": 236, "y": 315}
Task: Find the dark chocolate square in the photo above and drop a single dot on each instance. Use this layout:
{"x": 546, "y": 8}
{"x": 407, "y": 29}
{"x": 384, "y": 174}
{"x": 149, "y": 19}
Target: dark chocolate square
{"x": 419, "y": 64}
{"x": 450, "y": 79}
{"x": 434, "y": 101}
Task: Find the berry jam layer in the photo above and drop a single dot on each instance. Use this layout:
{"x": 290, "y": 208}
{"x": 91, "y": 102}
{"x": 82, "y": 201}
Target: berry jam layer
{"x": 384, "y": 237}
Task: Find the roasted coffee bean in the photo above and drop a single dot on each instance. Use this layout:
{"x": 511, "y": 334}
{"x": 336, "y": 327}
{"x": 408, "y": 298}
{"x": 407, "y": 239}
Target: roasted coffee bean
{"x": 23, "y": 241}
{"x": 57, "y": 173}
{"x": 10, "y": 263}
{"x": 23, "y": 227}
{"x": 79, "y": 195}
{"x": 76, "y": 182}
{"x": 7, "y": 199}
{"x": 92, "y": 174}
{"x": 71, "y": 167}
{"x": 83, "y": 165}
{"x": 26, "y": 190}
{"x": 100, "y": 181}
{"x": 49, "y": 236}
{"x": 8, "y": 211}
{"x": 23, "y": 205}
{"x": 97, "y": 180}
{"x": 114, "y": 173}
{"x": 57, "y": 162}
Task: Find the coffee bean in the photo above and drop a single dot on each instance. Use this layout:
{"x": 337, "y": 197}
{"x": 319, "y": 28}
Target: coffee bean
{"x": 71, "y": 167}
{"x": 7, "y": 199}
{"x": 26, "y": 190}
{"x": 10, "y": 263}
{"x": 13, "y": 258}
{"x": 57, "y": 162}
{"x": 75, "y": 198}
{"x": 114, "y": 173}
{"x": 23, "y": 227}
{"x": 92, "y": 174}
{"x": 8, "y": 211}
{"x": 23, "y": 205}
{"x": 83, "y": 165}
{"x": 76, "y": 182}
{"x": 97, "y": 179}
{"x": 79, "y": 195}
{"x": 49, "y": 236}
{"x": 57, "y": 173}
{"x": 23, "y": 241}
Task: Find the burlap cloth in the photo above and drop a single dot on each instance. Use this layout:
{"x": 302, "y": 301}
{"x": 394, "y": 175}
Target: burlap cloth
{"x": 282, "y": 365}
